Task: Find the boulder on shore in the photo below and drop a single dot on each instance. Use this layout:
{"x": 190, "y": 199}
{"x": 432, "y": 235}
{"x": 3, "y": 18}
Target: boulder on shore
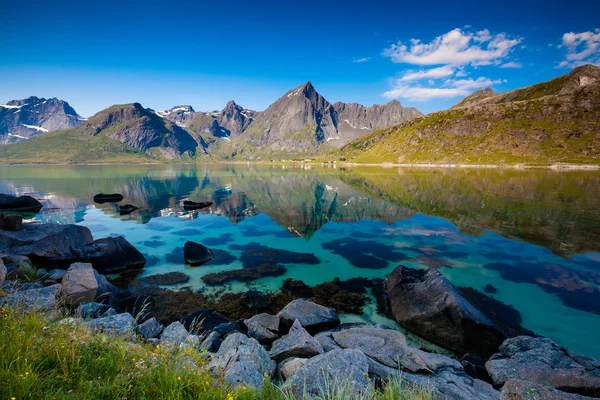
{"x": 21, "y": 203}
{"x": 11, "y": 222}
{"x": 79, "y": 284}
{"x": 174, "y": 335}
{"x": 522, "y": 390}
{"x": 120, "y": 324}
{"x": 150, "y": 329}
{"x": 312, "y": 317}
{"x": 243, "y": 361}
{"x": 196, "y": 254}
{"x": 3, "y": 271}
{"x": 117, "y": 254}
{"x": 426, "y": 303}
{"x": 297, "y": 343}
{"x": 541, "y": 361}
{"x": 332, "y": 369}
{"x": 32, "y": 300}
{"x": 263, "y": 327}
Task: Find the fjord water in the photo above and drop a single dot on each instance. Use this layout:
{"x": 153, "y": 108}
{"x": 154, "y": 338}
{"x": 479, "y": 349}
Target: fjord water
{"x": 533, "y": 235}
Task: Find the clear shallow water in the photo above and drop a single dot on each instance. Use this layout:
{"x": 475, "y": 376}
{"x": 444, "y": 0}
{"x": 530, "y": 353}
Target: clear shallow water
{"x": 533, "y": 235}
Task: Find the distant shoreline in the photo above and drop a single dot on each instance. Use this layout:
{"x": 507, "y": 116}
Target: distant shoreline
{"x": 555, "y": 167}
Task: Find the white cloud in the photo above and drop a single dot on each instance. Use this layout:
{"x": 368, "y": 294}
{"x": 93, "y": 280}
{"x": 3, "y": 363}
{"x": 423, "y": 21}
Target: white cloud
{"x": 361, "y": 60}
{"x": 435, "y": 73}
{"x": 456, "y": 47}
{"x": 582, "y": 48}
{"x": 511, "y": 64}
{"x": 451, "y": 88}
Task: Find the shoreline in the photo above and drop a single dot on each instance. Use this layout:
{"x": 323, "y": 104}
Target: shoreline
{"x": 554, "y": 167}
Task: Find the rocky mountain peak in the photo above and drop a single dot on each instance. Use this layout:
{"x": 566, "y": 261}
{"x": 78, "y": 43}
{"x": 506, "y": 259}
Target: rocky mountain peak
{"x": 23, "y": 119}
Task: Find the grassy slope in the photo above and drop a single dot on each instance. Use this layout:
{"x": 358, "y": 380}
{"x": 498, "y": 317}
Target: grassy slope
{"x": 47, "y": 360}
{"x": 533, "y": 125}
{"x": 70, "y": 147}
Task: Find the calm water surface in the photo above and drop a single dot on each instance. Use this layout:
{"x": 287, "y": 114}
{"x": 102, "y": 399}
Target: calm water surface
{"x": 533, "y": 235}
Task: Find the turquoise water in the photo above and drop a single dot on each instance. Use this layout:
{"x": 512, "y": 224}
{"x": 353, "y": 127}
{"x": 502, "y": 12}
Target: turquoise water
{"x": 532, "y": 235}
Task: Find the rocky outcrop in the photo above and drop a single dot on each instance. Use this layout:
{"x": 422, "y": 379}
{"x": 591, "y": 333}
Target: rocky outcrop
{"x": 119, "y": 325}
{"x": 311, "y": 316}
{"x": 334, "y": 368}
{"x": 174, "y": 335}
{"x": 32, "y": 300}
{"x": 150, "y": 328}
{"x": 541, "y": 361}
{"x": 263, "y": 327}
{"x": 79, "y": 284}
{"x": 426, "y": 303}
{"x": 297, "y": 343}
{"x": 117, "y": 254}
{"x": 242, "y": 361}
{"x": 21, "y": 203}
{"x": 523, "y": 390}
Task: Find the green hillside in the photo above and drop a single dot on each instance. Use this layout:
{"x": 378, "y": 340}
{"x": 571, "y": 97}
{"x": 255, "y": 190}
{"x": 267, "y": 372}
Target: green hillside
{"x": 552, "y": 122}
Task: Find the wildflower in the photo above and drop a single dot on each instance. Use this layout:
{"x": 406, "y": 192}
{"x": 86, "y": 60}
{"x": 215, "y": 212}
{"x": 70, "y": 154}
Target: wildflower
{"x": 12, "y": 398}
{"x": 26, "y": 373}
{"x": 244, "y": 387}
{"x": 178, "y": 378}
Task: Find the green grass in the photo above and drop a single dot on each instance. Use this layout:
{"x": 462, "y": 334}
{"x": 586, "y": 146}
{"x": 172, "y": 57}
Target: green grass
{"x": 41, "y": 359}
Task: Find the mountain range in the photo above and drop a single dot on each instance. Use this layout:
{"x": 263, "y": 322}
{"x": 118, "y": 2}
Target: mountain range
{"x": 23, "y": 119}
{"x": 551, "y": 122}
{"x": 300, "y": 122}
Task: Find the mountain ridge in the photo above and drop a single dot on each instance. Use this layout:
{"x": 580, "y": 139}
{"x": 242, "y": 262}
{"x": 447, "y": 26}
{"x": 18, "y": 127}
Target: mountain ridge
{"x": 26, "y": 118}
{"x": 557, "y": 121}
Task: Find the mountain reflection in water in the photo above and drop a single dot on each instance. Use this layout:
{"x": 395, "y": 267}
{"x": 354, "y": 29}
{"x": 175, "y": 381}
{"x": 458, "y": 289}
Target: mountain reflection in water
{"x": 531, "y": 235}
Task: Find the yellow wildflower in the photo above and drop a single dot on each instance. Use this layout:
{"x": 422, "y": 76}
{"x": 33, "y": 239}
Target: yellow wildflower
{"x": 178, "y": 378}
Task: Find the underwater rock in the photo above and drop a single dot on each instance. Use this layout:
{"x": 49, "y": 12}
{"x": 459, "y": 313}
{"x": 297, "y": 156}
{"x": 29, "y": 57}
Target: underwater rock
{"x": 196, "y": 254}
{"x": 297, "y": 288}
{"x": 244, "y": 275}
{"x": 127, "y": 209}
{"x": 426, "y": 303}
{"x": 255, "y": 299}
{"x": 255, "y": 254}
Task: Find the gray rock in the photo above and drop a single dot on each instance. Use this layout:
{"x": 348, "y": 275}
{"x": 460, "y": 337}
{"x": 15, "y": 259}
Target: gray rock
{"x": 56, "y": 274}
{"x": 79, "y": 284}
{"x": 150, "y": 328}
{"x": 541, "y": 361}
{"x": 389, "y": 347}
{"x": 312, "y": 317}
{"x": 210, "y": 342}
{"x": 242, "y": 361}
{"x": 523, "y": 390}
{"x": 3, "y": 271}
{"x": 110, "y": 312}
{"x": 426, "y": 303}
{"x": 263, "y": 327}
{"x": 32, "y": 300}
{"x": 105, "y": 288}
{"x": 297, "y": 343}
{"x": 289, "y": 366}
{"x": 191, "y": 342}
{"x": 91, "y": 310}
{"x": 120, "y": 325}
{"x": 225, "y": 328}
{"x": 31, "y": 285}
{"x": 173, "y": 335}
{"x": 50, "y": 243}
{"x": 18, "y": 267}
{"x": 334, "y": 368}
{"x": 42, "y": 274}
{"x": 449, "y": 383}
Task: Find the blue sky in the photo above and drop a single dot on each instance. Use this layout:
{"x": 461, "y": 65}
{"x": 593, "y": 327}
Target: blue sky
{"x": 425, "y": 54}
